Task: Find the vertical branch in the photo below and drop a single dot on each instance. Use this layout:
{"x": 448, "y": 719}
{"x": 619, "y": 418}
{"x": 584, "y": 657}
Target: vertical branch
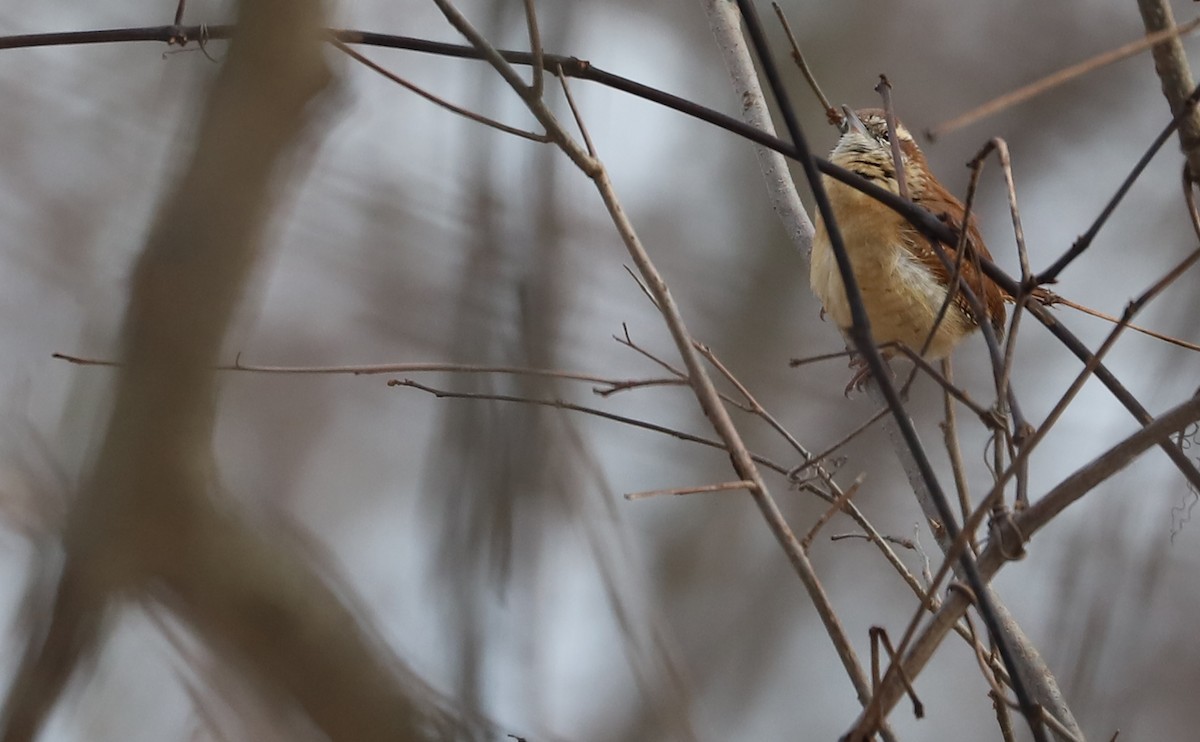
{"x": 884, "y": 88}
{"x": 954, "y": 449}
{"x": 725, "y": 23}
{"x": 1170, "y": 62}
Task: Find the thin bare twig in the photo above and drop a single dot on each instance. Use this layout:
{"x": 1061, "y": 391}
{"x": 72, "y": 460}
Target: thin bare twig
{"x": 701, "y": 489}
{"x": 831, "y": 113}
{"x": 638, "y": 280}
{"x": 624, "y": 386}
{"x": 1045, "y": 84}
{"x": 1020, "y": 428}
{"x": 392, "y": 368}
{"x": 564, "y": 405}
{"x": 1000, "y": 147}
{"x": 817, "y": 458}
{"x": 587, "y": 138}
{"x": 884, "y": 88}
{"x": 436, "y": 100}
{"x": 1177, "y": 342}
{"x": 905, "y": 543}
{"x": 798, "y": 362}
{"x": 1185, "y": 110}
{"x": 954, "y": 449}
{"x": 836, "y": 506}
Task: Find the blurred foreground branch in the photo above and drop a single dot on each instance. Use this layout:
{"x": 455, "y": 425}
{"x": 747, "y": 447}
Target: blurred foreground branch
{"x": 146, "y": 522}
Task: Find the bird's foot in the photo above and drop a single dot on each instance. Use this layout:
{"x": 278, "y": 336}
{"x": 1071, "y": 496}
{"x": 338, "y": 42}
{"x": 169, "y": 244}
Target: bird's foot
{"x": 859, "y": 380}
{"x": 862, "y": 372}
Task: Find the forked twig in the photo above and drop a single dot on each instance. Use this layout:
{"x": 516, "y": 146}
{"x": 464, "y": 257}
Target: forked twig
{"x": 434, "y": 99}
{"x": 587, "y": 138}
{"x": 879, "y": 637}
{"x": 680, "y": 377}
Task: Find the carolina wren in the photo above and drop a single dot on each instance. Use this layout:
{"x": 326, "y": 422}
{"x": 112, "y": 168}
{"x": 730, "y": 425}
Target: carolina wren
{"x": 903, "y": 282}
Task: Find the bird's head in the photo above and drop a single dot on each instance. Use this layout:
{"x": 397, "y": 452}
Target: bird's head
{"x": 866, "y": 149}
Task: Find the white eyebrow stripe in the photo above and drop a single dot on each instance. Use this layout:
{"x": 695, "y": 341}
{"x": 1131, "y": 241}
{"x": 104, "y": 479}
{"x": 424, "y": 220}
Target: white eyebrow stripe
{"x": 876, "y": 120}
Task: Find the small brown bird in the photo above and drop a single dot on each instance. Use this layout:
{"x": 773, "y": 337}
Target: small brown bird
{"x": 903, "y": 282}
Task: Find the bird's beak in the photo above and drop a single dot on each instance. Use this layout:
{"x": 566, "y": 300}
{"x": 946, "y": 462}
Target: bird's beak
{"x": 851, "y": 122}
